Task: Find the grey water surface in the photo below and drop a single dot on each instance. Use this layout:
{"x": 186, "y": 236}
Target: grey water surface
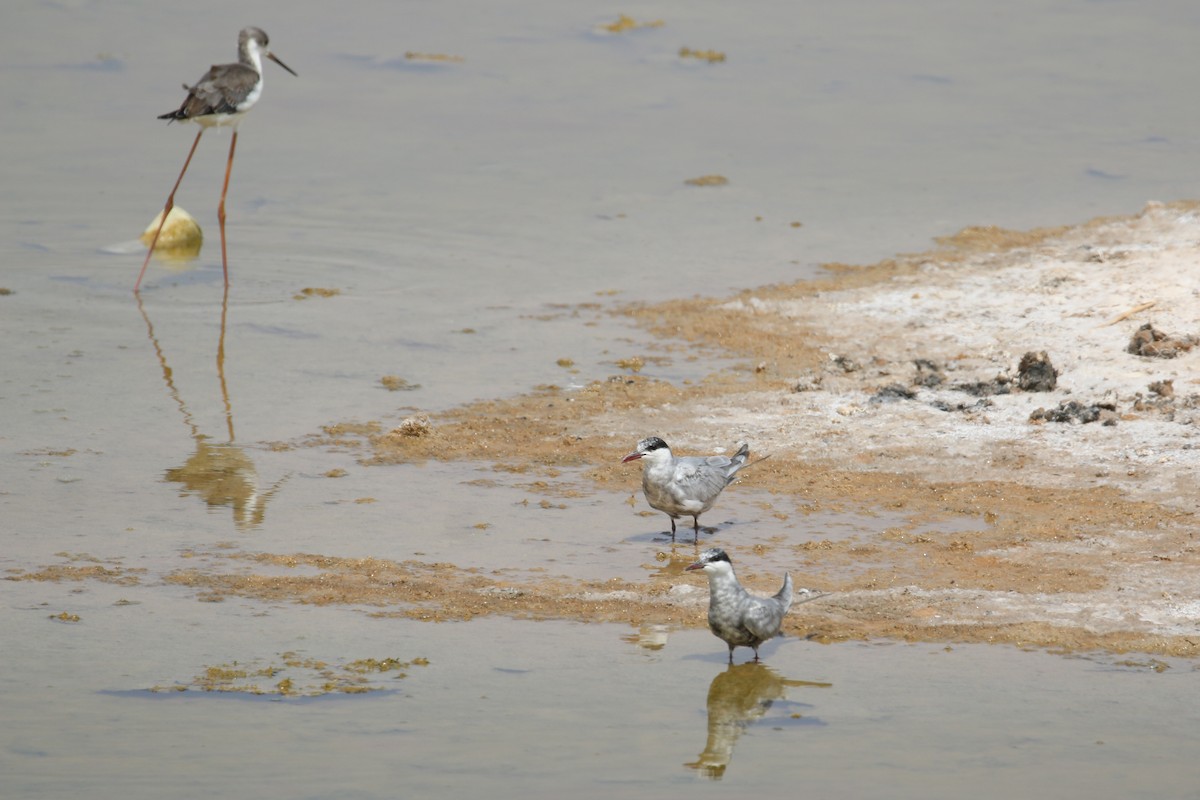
{"x": 479, "y": 217}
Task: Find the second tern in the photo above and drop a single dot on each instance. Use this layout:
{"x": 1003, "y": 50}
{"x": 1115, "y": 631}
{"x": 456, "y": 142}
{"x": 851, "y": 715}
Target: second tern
{"x": 736, "y": 616}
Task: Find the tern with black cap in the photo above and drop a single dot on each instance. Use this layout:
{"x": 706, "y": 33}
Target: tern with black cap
{"x": 734, "y": 615}
{"x": 684, "y": 485}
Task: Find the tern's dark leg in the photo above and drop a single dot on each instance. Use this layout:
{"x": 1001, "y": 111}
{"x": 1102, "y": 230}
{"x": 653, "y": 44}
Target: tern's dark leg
{"x": 672, "y": 527}
{"x": 221, "y": 207}
{"x": 730, "y": 654}
{"x": 167, "y": 209}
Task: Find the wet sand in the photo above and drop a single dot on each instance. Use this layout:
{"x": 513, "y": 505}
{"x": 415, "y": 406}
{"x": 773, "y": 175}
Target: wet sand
{"x": 1064, "y": 535}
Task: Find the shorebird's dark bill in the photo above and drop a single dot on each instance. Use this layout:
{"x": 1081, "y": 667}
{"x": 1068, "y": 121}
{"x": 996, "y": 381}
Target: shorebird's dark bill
{"x": 280, "y": 63}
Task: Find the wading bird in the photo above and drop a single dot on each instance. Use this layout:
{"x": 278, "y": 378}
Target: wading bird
{"x": 679, "y": 485}
{"x": 219, "y": 99}
{"x": 735, "y": 615}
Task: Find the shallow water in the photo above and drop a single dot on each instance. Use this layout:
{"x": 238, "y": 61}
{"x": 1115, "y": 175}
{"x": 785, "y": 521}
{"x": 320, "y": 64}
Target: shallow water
{"x": 478, "y": 219}
{"x": 533, "y": 709}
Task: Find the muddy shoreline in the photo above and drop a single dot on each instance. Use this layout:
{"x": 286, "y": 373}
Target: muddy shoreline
{"x": 892, "y": 388}
{"x": 1085, "y": 534}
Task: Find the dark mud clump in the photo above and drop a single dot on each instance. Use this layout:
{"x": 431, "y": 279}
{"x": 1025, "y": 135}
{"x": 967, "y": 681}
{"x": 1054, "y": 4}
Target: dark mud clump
{"x": 1035, "y": 373}
{"x": 929, "y": 373}
{"x": 1164, "y": 389}
{"x": 1076, "y": 413}
{"x": 1150, "y": 342}
{"x": 893, "y": 392}
{"x": 979, "y": 405}
{"x": 1001, "y": 384}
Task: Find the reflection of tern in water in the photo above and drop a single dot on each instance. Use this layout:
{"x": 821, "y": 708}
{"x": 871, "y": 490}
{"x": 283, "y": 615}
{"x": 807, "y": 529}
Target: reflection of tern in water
{"x": 738, "y": 697}
{"x": 221, "y": 473}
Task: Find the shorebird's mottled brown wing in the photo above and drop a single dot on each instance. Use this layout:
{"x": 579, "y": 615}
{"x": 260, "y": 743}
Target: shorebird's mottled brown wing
{"x": 220, "y": 91}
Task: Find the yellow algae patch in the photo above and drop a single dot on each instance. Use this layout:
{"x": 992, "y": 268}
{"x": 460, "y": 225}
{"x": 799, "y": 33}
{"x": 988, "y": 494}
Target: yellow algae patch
{"x": 312, "y": 291}
{"x": 711, "y": 56}
{"x": 394, "y": 383}
{"x": 58, "y": 573}
{"x": 985, "y": 238}
{"x": 297, "y": 676}
{"x": 708, "y": 180}
{"x": 438, "y": 58}
{"x": 626, "y": 23}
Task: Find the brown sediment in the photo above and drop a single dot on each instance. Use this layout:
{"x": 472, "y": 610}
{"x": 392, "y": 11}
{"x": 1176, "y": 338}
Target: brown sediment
{"x": 893, "y": 389}
{"x": 1084, "y": 540}
{"x": 294, "y": 675}
{"x": 909, "y": 582}
{"x": 55, "y": 573}
{"x": 895, "y": 597}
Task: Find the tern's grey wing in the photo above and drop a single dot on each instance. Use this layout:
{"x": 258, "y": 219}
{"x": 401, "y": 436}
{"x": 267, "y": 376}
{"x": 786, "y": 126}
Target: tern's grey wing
{"x": 727, "y": 620}
{"x": 763, "y": 618}
{"x": 699, "y": 480}
{"x": 719, "y": 462}
{"x": 729, "y": 466}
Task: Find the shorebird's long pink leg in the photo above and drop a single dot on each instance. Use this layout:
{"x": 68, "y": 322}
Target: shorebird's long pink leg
{"x": 167, "y": 209}
{"x": 221, "y": 208}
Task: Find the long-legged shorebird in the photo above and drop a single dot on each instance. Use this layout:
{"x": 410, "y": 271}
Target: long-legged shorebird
{"x": 220, "y": 98}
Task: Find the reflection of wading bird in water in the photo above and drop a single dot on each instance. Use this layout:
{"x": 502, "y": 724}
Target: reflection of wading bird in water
{"x": 220, "y": 473}
{"x": 220, "y": 98}
{"x": 738, "y": 697}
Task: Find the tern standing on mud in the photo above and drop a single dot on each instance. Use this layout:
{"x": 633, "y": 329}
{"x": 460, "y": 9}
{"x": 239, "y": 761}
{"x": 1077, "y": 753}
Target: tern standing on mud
{"x": 679, "y": 485}
{"x": 735, "y": 615}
